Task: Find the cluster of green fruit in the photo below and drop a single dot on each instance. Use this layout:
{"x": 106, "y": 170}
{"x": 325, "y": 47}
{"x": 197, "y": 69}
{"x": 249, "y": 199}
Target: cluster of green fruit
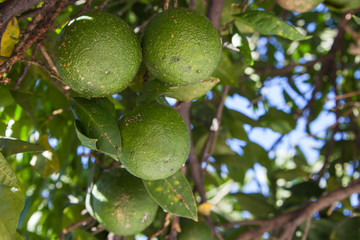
{"x": 98, "y": 55}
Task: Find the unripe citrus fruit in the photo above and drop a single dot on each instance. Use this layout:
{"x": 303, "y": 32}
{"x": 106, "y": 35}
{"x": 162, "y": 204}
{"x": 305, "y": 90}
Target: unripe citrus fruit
{"x": 155, "y": 141}
{"x": 299, "y": 6}
{"x": 191, "y": 230}
{"x": 97, "y": 54}
{"x": 121, "y": 203}
{"x": 181, "y": 47}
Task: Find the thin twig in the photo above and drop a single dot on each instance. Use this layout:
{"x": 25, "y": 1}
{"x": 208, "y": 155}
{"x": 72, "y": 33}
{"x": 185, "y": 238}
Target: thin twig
{"x": 164, "y": 226}
{"x": 102, "y": 5}
{"x": 35, "y": 32}
{"x": 347, "y": 95}
{"x": 212, "y": 226}
{"x": 307, "y": 227}
{"x": 26, "y": 69}
{"x": 84, "y": 222}
{"x": 49, "y": 60}
{"x": 85, "y": 8}
{"x": 195, "y": 168}
{"x": 329, "y": 148}
{"x": 175, "y": 228}
{"x": 214, "y": 129}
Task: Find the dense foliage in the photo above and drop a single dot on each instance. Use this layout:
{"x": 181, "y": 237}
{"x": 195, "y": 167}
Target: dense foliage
{"x": 275, "y": 144}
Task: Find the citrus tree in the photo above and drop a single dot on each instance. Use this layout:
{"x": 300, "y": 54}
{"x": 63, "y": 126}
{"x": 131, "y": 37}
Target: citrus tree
{"x": 149, "y": 119}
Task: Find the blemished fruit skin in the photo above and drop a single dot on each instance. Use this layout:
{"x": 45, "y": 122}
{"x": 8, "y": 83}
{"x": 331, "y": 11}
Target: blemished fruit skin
{"x": 299, "y": 6}
{"x": 121, "y": 203}
{"x": 191, "y": 230}
{"x": 181, "y": 47}
{"x": 97, "y": 54}
{"x": 155, "y": 141}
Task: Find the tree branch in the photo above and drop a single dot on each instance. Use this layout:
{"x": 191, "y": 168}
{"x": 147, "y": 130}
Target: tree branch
{"x": 296, "y": 217}
{"x": 89, "y": 221}
{"x": 12, "y": 8}
{"x": 164, "y": 226}
{"x": 214, "y": 129}
{"x": 184, "y": 109}
{"x": 214, "y": 12}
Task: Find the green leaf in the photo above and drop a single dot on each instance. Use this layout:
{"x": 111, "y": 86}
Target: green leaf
{"x": 45, "y": 166}
{"x": 232, "y": 114}
{"x": 278, "y": 121}
{"x": 347, "y": 229}
{"x": 24, "y": 100}
{"x": 174, "y": 195}
{"x": 225, "y": 71}
{"x": 269, "y": 24}
{"x": 81, "y": 234}
{"x": 47, "y": 162}
{"x": 96, "y": 122}
{"x": 235, "y": 128}
{"x": 194, "y": 91}
{"x": 254, "y": 153}
{"x": 236, "y": 165}
{"x": 5, "y": 98}
{"x": 306, "y": 190}
{"x": 256, "y": 204}
{"x": 244, "y": 47}
{"x": 150, "y": 91}
{"x": 320, "y": 229}
{"x": 357, "y": 19}
{"x": 72, "y": 214}
{"x": 7, "y": 174}
{"x": 290, "y": 174}
{"x": 9, "y": 146}
{"x": 11, "y": 205}
{"x": 86, "y": 141}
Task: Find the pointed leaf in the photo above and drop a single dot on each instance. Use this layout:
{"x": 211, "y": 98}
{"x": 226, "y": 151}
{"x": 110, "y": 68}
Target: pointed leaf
{"x": 191, "y": 92}
{"x": 86, "y": 141}
{"x": 244, "y": 47}
{"x": 9, "y": 146}
{"x": 357, "y": 19}
{"x": 174, "y": 195}
{"x": 256, "y": 204}
{"x": 150, "y": 91}
{"x": 45, "y": 165}
{"x": 7, "y": 174}
{"x": 24, "y": 100}
{"x": 11, "y": 204}
{"x": 81, "y": 234}
{"x": 47, "y": 162}
{"x": 347, "y": 229}
{"x": 95, "y": 121}
{"x": 278, "y": 121}
{"x": 269, "y": 24}
{"x": 225, "y": 71}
